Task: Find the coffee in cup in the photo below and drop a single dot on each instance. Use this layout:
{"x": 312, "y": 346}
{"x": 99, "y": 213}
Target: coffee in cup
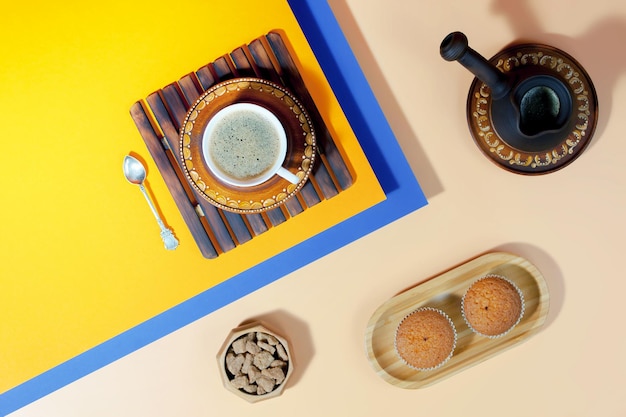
{"x": 245, "y": 144}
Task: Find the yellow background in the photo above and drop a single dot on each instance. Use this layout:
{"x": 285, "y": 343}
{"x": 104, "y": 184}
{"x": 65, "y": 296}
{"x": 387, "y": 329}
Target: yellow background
{"x": 82, "y": 260}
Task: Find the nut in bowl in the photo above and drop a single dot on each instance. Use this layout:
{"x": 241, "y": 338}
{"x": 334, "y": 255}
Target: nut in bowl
{"x": 254, "y": 362}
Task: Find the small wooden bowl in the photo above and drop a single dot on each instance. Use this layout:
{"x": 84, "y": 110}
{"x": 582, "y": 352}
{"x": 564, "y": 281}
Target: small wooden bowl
{"x": 227, "y": 376}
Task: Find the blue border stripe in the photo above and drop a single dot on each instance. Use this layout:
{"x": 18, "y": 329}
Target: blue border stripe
{"x": 404, "y": 196}
{"x": 353, "y": 92}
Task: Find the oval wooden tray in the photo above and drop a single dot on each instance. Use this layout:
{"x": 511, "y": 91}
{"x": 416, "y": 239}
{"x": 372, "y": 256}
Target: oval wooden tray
{"x": 445, "y": 292}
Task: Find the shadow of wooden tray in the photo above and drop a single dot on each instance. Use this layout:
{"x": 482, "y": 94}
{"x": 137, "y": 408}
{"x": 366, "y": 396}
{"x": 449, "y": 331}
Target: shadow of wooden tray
{"x": 159, "y": 117}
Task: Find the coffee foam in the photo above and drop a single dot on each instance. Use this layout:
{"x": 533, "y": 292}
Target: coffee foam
{"x": 244, "y": 143}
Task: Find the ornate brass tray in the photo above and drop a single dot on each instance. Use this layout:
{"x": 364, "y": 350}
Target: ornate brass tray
{"x": 301, "y": 146}
{"x": 551, "y": 158}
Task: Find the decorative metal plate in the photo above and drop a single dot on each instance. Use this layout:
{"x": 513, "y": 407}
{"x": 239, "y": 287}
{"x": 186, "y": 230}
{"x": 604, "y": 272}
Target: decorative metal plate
{"x": 585, "y": 108}
{"x": 301, "y": 146}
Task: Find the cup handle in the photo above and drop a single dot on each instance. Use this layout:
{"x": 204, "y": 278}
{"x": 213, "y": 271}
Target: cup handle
{"x": 289, "y": 176}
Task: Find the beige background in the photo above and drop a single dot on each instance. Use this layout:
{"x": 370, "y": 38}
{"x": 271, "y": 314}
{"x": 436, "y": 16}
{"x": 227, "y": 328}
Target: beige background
{"x": 568, "y": 223}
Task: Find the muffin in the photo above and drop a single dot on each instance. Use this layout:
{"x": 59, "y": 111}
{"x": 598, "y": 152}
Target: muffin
{"x": 425, "y": 339}
{"x": 492, "y": 306}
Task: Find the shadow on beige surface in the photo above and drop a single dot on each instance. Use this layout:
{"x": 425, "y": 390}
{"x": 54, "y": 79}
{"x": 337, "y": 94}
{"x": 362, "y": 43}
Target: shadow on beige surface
{"x": 599, "y": 49}
{"x": 414, "y": 153}
{"x": 297, "y": 333}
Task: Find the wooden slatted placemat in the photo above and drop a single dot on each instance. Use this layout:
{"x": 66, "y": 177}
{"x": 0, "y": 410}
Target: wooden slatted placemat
{"x": 159, "y": 117}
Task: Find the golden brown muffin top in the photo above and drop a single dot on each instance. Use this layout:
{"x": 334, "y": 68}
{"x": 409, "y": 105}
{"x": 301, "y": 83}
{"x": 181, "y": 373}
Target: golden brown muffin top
{"x": 425, "y": 339}
{"x": 492, "y": 306}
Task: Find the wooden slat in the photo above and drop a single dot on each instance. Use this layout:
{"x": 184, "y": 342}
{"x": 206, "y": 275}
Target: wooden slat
{"x": 238, "y": 226}
{"x": 324, "y": 181}
{"x": 206, "y": 77}
{"x": 184, "y": 204}
{"x": 243, "y": 66}
{"x": 293, "y": 206}
{"x": 191, "y": 88}
{"x": 167, "y": 125}
{"x": 223, "y": 68}
{"x": 257, "y": 223}
{"x": 309, "y": 194}
{"x": 276, "y": 216}
{"x": 264, "y": 65}
{"x": 173, "y": 98}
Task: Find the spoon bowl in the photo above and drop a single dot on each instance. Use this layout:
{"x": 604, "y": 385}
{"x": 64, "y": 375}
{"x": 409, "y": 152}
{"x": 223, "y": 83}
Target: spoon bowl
{"x": 134, "y": 171}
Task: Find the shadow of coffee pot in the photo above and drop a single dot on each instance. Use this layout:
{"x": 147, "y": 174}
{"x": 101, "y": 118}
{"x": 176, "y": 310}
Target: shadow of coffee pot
{"x": 538, "y": 108}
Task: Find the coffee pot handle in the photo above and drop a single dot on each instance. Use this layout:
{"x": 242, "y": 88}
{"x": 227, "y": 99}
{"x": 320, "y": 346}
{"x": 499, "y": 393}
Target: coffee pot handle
{"x": 455, "y": 47}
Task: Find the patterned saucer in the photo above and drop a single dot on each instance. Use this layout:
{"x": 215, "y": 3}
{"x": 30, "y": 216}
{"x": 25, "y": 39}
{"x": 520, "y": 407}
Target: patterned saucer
{"x": 301, "y": 146}
{"x": 585, "y": 106}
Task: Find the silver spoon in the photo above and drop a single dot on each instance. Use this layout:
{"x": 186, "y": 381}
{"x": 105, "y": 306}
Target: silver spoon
{"x": 135, "y": 173}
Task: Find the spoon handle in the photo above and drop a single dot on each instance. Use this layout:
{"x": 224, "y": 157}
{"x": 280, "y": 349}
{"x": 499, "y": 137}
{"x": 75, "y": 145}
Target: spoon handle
{"x": 169, "y": 240}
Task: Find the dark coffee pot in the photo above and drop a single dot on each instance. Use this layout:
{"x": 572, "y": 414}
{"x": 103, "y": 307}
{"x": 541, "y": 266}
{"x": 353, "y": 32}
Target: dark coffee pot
{"x": 531, "y": 109}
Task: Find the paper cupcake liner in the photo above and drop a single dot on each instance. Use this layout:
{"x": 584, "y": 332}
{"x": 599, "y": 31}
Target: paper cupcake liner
{"x": 519, "y": 318}
{"x": 443, "y": 362}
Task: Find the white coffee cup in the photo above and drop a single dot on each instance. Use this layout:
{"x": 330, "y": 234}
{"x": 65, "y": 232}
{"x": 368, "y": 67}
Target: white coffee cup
{"x": 245, "y": 144}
